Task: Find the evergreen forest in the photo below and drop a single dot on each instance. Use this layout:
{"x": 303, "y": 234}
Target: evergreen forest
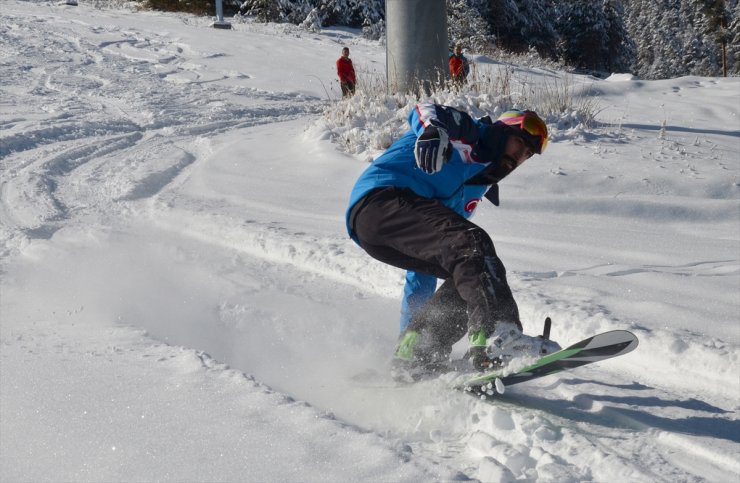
{"x": 652, "y": 39}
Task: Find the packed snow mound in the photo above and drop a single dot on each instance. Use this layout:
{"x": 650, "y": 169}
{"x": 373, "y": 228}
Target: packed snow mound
{"x": 620, "y": 78}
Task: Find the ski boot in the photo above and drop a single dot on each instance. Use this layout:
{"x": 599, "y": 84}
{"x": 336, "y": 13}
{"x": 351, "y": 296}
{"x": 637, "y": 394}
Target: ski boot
{"x": 478, "y": 353}
{"x": 505, "y": 344}
{"x": 411, "y": 363}
{"x": 508, "y": 342}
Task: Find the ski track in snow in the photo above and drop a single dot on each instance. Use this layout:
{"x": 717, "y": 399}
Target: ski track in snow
{"x": 129, "y": 115}
{"x": 108, "y": 97}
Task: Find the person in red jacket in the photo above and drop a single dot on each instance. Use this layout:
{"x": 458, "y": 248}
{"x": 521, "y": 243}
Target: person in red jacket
{"x": 459, "y": 66}
{"x": 346, "y": 73}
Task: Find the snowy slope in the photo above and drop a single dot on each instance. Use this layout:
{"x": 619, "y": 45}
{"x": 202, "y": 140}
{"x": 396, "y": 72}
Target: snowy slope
{"x": 179, "y": 301}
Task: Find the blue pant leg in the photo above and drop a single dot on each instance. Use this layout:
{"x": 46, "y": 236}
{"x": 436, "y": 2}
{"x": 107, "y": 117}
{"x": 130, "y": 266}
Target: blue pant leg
{"x": 418, "y": 290}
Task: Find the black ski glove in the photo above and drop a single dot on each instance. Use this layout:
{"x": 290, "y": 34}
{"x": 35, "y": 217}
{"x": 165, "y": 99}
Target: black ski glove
{"x": 433, "y": 149}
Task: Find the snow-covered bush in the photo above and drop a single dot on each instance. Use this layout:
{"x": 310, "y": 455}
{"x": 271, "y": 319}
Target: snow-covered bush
{"x": 312, "y": 22}
{"x": 373, "y": 119}
{"x": 466, "y": 25}
{"x": 374, "y": 31}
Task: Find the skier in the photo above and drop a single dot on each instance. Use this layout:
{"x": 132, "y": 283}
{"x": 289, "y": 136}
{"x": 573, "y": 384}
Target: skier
{"x": 410, "y": 209}
{"x": 346, "y": 74}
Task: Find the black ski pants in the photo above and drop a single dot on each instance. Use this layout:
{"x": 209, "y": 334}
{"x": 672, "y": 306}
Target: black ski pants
{"x": 403, "y": 229}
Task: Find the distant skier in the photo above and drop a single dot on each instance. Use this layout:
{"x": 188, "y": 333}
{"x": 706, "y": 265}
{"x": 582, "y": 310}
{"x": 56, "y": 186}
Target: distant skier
{"x": 410, "y": 209}
{"x": 459, "y": 66}
{"x": 346, "y": 74}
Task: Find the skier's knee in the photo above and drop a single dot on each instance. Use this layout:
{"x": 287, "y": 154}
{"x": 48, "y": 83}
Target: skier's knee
{"x": 479, "y": 243}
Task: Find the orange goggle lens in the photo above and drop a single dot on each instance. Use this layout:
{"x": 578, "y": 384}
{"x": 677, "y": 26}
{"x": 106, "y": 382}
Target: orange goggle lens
{"x": 530, "y": 123}
{"x": 536, "y": 127}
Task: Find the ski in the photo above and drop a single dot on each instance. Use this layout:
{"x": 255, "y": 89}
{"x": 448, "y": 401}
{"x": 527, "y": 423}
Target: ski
{"x": 594, "y": 349}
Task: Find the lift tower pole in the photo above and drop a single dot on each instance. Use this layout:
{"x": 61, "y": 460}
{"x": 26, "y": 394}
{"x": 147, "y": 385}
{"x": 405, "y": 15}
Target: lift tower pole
{"x": 416, "y": 44}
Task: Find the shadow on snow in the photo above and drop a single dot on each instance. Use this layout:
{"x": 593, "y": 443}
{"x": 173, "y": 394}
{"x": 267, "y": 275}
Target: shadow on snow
{"x": 633, "y": 411}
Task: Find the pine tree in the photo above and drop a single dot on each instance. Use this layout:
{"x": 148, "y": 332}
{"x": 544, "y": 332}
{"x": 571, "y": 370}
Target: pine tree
{"x": 263, "y": 10}
{"x": 682, "y": 37}
{"x": 715, "y": 28}
{"x": 582, "y": 28}
{"x": 638, "y": 11}
{"x": 536, "y": 26}
{"x": 669, "y": 41}
{"x": 466, "y": 25}
{"x": 502, "y": 16}
{"x": 351, "y": 13}
{"x": 733, "y": 46}
{"x": 620, "y": 48}
{"x": 518, "y": 25}
{"x": 695, "y": 54}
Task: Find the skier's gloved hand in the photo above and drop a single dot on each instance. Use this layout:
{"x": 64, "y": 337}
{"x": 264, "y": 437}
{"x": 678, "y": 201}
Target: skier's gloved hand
{"x": 433, "y": 149}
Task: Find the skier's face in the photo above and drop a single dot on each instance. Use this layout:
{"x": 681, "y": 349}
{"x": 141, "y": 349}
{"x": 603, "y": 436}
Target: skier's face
{"x": 516, "y": 152}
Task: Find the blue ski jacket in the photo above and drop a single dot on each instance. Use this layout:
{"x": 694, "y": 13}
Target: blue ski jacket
{"x": 459, "y": 185}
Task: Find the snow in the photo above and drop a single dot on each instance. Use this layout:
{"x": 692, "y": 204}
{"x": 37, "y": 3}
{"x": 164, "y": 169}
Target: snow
{"x": 179, "y": 300}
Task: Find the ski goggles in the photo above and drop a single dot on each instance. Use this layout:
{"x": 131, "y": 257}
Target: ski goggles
{"x": 530, "y": 124}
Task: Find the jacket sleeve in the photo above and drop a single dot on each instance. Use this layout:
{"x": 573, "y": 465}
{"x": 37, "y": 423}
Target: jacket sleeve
{"x": 418, "y": 290}
{"x": 462, "y": 129}
{"x": 459, "y": 125}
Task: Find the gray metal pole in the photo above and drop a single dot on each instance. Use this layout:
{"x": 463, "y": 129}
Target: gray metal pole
{"x": 416, "y": 44}
{"x": 220, "y": 23}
